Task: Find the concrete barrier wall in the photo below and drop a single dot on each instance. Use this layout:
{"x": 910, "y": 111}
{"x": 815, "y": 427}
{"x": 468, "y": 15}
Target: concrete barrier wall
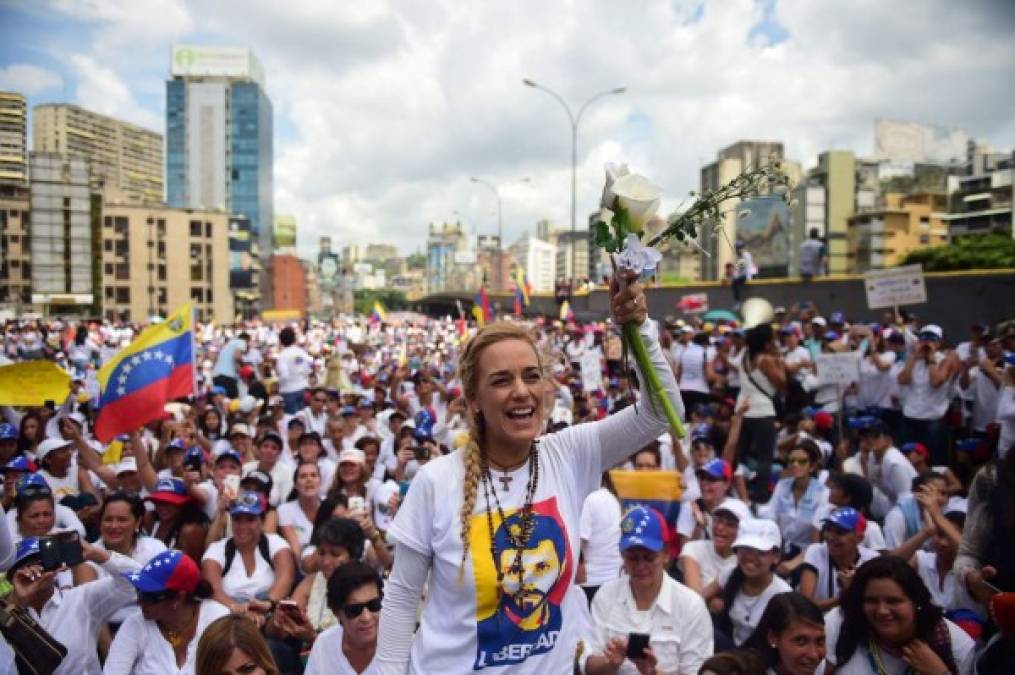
{"x": 954, "y": 299}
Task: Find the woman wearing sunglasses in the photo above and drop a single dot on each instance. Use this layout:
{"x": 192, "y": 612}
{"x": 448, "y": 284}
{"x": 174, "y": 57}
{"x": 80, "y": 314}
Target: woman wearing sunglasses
{"x": 175, "y": 610}
{"x": 796, "y": 500}
{"x": 354, "y": 595}
{"x": 35, "y": 514}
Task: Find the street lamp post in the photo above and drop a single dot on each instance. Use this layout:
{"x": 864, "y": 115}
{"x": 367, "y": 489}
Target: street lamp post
{"x": 499, "y": 276}
{"x": 575, "y": 121}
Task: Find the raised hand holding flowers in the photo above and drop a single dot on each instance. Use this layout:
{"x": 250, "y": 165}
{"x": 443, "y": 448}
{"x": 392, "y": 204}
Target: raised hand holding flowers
{"x": 630, "y": 201}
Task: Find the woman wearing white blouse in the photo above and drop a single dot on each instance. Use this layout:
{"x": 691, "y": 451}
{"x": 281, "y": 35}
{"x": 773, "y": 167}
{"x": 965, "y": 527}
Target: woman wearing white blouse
{"x": 175, "y": 609}
{"x": 501, "y": 552}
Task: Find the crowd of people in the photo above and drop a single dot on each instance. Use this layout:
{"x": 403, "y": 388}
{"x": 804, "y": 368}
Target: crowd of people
{"x": 430, "y": 496}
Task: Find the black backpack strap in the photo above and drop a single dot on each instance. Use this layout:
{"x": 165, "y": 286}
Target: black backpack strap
{"x": 262, "y": 546}
{"x": 230, "y": 555}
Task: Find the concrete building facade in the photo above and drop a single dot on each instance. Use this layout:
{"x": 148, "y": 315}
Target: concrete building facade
{"x": 125, "y": 160}
{"x": 219, "y": 138}
{"x": 156, "y": 258}
{"x": 13, "y": 140}
{"x": 836, "y": 173}
{"x": 982, "y": 203}
{"x": 579, "y": 241}
{"x": 539, "y": 260}
{"x": 15, "y": 253}
{"x": 882, "y": 237}
{"x": 61, "y": 229}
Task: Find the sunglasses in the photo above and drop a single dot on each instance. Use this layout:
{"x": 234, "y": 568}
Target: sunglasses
{"x": 152, "y": 598}
{"x": 353, "y": 610}
{"x": 34, "y": 491}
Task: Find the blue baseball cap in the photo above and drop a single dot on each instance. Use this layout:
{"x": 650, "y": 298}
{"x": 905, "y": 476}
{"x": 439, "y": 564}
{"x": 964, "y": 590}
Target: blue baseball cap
{"x": 968, "y": 444}
{"x": 644, "y": 527}
{"x": 847, "y": 519}
{"x": 194, "y": 453}
{"x": 176, "y": 444}
{"x": 218, "y": 390}
{"x": 33, "y": 480}
{"x": 19, "y": 463}
{"x": 348, "y": 410}
{"x": 247, "y": 503}
{"x": 837, "y": 317}
{"x": 861, "y": 422}
{"x": 8, "y": 432}
{"x": 229, "y": 453}
{"x": 830, "y": 335}
{"x": 168, "y": 571}
{"x": 1009, "y": 359}
{"x": 717, "y": 468}
{"x": 27, "y": 548}
{"x": 701, "y": 432}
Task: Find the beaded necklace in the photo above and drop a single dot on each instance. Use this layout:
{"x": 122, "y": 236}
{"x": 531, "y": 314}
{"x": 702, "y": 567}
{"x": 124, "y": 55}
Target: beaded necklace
{"x": 877, "y": 665}
{"x": 518, "y": 536}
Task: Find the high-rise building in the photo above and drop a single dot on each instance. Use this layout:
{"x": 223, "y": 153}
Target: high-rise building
{"x": 288, "y": 283}
{"x": 539, "y": 260}
{"x": 125, "y": 160}
{"x": 219, "y": 136}
{"x": 983, "y": 203}
{"x": 156, "y": 258}
{"x": 836, "y": 173}
{"x": 63, "y": 220}
{"x": 15, "y": 257}
{"x": 13, "y": 140}
{"x": 579, "y": 242}
{"x": 730, "y": 163}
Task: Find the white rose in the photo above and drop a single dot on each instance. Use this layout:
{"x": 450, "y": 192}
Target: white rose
{"x": 613, "y": 173}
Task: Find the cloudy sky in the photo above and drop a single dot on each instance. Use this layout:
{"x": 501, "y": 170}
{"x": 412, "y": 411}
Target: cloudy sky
{"x": 384, "y": 109}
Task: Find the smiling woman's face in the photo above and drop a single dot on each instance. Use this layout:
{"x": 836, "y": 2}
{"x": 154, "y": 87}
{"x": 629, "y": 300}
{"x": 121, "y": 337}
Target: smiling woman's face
{"x": 510, "y": 393}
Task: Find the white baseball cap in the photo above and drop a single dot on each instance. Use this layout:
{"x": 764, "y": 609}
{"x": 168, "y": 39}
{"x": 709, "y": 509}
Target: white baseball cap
{"x": 759, "y": 534}
{"x": 933, "y": 329}
{"x": 49, "y": 445}
{"x": 820, "y": 320}
{"x": 352, "y": 455}
{"x": 126, "y": 465}
{"x": 734, "y": 506}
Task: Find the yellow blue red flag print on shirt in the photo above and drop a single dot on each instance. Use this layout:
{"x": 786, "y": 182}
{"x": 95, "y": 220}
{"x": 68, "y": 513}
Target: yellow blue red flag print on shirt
{"x": 153, "y": 370}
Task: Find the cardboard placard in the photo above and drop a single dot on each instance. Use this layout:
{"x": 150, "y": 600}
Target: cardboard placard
{"x": 896, "y": 286}
{"x": 838, "y": 368}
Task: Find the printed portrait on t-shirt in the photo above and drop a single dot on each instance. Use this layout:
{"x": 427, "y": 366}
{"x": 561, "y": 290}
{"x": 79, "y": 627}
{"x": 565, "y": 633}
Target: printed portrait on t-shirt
{"x": 520, "y": 615}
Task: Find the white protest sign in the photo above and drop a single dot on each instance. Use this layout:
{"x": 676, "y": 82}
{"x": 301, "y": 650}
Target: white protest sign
{"x": 896, "y": 286}
{"x": 838, "y": 368}
{"x": 592, "y": 372}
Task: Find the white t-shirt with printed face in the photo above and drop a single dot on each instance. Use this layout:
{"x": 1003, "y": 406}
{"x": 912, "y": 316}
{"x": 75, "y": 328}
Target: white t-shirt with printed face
{"x": 237, "y": 584}
{"x": 472, "y": 625}
{"x": 747, "y": 610}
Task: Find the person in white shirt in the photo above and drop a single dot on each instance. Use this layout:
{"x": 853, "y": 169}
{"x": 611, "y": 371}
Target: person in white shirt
{"x": 73, "y": 616}
{"x": 647, "y": 601}
{"x": 269, "y": 452}
{"x": 599, "y": 530}
{"x": 315, "y": 416}
{"x": 795, "y": 501}
{"x": 296, "y": 516}
{"x": 928, "y": 376}
{"x": 887, "y": 619}
{"x": 850, "y": 489}
{"x": 890, "y": 473}
{"x": 175, "y": 611}
{"x": 790, "y": 636}
{"x": 741, "y": 593}
{"x": 293, "y": 366}
{"x": 251, "y": 567}
{"x": 354, "y": 596}
{"x": 702, "y": 560}
{"x": 828, "y": 567}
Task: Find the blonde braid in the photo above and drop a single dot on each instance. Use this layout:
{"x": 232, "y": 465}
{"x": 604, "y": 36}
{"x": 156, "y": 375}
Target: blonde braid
{"x": 470, "y": 456}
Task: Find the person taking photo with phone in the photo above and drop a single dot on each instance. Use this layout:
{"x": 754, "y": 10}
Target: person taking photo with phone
{"x": 671, "y": 619}
{"x": 75, "y": 615}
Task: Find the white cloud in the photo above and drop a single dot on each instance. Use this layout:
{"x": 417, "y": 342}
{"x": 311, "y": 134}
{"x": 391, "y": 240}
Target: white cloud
{"x": 395, "y": 104}
{"x": 28, "y": 79}
{"x": 99, "y": 88}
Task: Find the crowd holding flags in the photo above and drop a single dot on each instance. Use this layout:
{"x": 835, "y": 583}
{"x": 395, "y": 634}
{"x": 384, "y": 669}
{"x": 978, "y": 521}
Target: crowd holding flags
{"x": 522, "y": 289}
{"x": 154, "y": 369}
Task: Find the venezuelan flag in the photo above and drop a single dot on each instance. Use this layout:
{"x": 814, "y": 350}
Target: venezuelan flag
{"x": 379, "y": 314}
{"x": 660, "y": 490}
{"x": 481, "y": 307}
{"x": 153, "y": 370}
{"x": 523, "y": 288}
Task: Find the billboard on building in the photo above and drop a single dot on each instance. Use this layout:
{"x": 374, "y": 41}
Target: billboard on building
{"x": 763, "y": 225}
{"x": 206, "y": 61}
{"x": 241, "y": 269}
{"x": 328, "y": 269}
{"x": 912, "y": 142}
{"x": 285, "y": 231}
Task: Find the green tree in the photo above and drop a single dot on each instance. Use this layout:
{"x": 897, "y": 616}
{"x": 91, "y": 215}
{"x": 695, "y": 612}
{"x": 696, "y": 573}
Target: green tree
{"x": 981, "y": 251}
{"x": 416, "y": 261}
{"x": 392, "y": 300}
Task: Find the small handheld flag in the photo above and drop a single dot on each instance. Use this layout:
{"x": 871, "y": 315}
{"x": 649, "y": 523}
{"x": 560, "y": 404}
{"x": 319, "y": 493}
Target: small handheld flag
{"x": 481, "y": 307}
{"x": 379, "y": 314}
{"x": 565, "y": 311}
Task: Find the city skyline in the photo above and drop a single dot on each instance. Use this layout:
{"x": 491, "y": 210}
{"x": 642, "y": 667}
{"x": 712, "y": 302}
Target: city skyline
{"x": 409, "y": 120}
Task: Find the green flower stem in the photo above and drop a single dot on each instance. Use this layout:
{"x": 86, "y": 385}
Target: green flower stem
{"x": 657, "y": 394}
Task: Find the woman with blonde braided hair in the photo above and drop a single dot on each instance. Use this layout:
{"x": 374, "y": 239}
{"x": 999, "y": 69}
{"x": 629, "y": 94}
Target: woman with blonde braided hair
{"x": 494, "y": 526}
